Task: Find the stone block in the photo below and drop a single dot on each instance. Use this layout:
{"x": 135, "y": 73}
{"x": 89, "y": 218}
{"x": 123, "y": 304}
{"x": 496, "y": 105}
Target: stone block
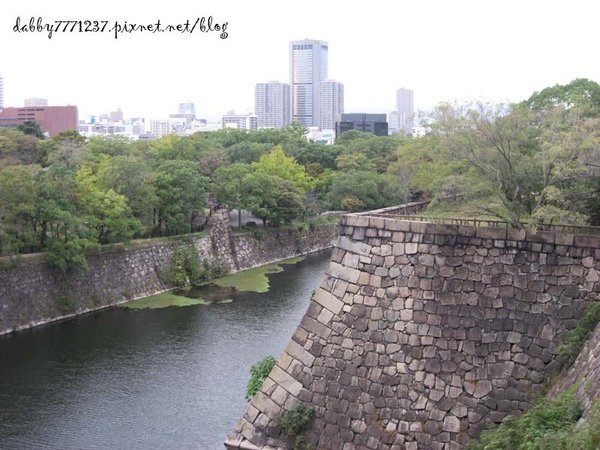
{"x": 328, "y": 300}
{"x": 516, "y": 234}
{"x": 345, "y": 273}
{"x": 546, "y": 237}
{"x": 298, "y": 352}
{"x": 355, "y": 220}
{"x": 377, "y": 222}
{"x": 587, "y": 241}
{"x": 418, "y": 227}
{"x": 491, "y": 233}
{"x": 350, "y": 245}
{"x": 397, "y": 225}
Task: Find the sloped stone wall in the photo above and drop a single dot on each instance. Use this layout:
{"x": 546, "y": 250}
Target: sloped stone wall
{"x": 419, "y": 334}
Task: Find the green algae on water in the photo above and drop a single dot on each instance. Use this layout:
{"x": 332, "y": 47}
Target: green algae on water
{"x": 163, "y": 300}
{"x": 254, "y": 280}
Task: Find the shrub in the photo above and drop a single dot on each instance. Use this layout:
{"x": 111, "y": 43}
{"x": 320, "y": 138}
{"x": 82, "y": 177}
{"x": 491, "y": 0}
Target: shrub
{"x": 572, "y": 346}
{"x": 66, "y": 304}
{"x": 295, "y": 422}
{"x": 543, "y": 427}
{"x": 258, "y": 373}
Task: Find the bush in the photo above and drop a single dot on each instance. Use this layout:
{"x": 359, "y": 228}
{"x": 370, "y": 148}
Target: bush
{"x": 66, "y": 304}
{"x": 258, "y": 373}
{"x": 543, "y": 427}
{"x": 295, "y": 422}
{"x": 572, "y": 346}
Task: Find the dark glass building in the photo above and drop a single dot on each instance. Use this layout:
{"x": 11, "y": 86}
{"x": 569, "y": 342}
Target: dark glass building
{"x": 370, "y": 123}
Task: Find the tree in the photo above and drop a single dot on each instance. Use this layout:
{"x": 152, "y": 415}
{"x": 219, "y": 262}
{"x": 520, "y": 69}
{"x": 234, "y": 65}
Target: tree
{"x": 276, "y": 163}
{"x": 580, "y": 93}
{"x": 32, "y": 128}
{"x": 17, "y": 208}
{"x": 272, "y": 198}
{"x": 181, "y": 195}
{"x": 231, "y": 188}
{"x": 105, "y": 211}
{"x": 511, "y": 156}
{"x": 64, "y": 229}
{"x": 130, "y": 176}
{"x": 359, "y": 189}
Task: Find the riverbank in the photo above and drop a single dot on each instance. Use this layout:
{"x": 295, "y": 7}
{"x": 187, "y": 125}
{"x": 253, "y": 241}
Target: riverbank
{"x": 32, "y": 293}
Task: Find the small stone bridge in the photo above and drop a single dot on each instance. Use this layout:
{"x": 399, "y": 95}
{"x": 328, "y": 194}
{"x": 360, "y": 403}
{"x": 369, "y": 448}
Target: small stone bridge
{"x": 421, "y": 333}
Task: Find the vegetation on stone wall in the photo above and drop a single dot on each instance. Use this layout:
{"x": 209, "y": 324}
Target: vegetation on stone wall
{"x": 576, "y": 338}
{"x": 295, "y": 422}
{"x": 258, "y": 373}
{"x": 186, "y": 268}
{"x": 549, "y": 425}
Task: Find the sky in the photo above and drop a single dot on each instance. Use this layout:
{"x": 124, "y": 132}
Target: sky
{"x": 443, "y": 50}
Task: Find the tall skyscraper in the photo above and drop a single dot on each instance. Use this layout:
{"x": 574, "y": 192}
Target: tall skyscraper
{"x": 1, "y": 92}
{"x": 330, "y": 104}
{"x": 308, "y": 68}
{"x": 406, "y": 111}
{"x": 272, "y": 104}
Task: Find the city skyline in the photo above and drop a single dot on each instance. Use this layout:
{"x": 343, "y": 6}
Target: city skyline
{"x": 496, "y": 51}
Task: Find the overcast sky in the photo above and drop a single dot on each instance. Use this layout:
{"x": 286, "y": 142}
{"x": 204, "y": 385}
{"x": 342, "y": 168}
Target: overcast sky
{"x": 443, "y": 50}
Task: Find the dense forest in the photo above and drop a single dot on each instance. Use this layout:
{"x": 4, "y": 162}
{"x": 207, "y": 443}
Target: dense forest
{"x": 533, "y": 162}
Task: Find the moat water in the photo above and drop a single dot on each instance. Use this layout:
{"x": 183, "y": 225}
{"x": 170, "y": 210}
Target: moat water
{"x": 171, "y": 378}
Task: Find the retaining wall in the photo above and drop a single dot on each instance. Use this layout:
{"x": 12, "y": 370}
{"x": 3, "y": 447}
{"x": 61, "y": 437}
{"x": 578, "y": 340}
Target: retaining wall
{"x": 32, "y": 293}
{"x": 420, "y": 334}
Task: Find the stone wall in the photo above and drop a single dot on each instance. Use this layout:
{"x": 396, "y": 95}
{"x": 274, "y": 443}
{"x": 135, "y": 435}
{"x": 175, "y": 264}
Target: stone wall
{"x": 420, "y": 334}
{"x": 33, "y": 293}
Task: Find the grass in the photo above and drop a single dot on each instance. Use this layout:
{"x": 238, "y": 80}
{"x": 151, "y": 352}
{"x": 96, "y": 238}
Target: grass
{"x": 163, "y": 300}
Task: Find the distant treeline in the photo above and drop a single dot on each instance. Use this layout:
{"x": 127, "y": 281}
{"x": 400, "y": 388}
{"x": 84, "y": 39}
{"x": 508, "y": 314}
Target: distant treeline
{"x": 537, "y": 160}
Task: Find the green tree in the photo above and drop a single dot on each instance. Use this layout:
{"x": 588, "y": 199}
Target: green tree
{"x": 272, "y": 198}
{"x": 181, "y": 195}
{"x": 106, "y": 211}
{"x": 231, "y": 188}
{"x": 580, "y": 93}
{"x": 18, "y": 208}
{"x": 359, "y": 188}
{"x": 132, "y": 177}
{"x": 276, "y": 163}
{"x": 33, "y": 128}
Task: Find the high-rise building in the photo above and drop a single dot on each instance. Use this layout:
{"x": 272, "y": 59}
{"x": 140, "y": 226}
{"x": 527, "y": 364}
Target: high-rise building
{"x": 35, "y": 101}
{"x": 330, "y": 104}
{"x": 1, "y": 92}
{"x": 272, "y": 104}
{"x": 406, "y": 111}
{"x": 393, "y": 122}
{"x": 308, "y": 68}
